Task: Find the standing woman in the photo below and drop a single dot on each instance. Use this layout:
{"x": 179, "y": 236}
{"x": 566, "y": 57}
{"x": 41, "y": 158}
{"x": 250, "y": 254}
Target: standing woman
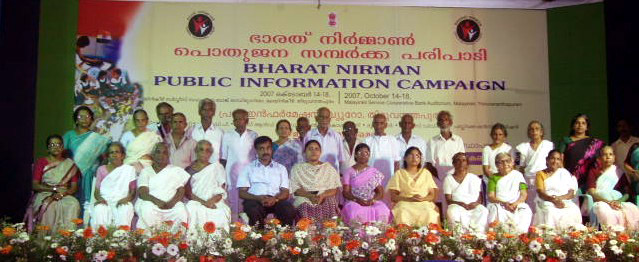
{"x": 498, "y": 133}
{"x": 55, "y": 180}
{"x": 631, "y": 166}
{"x": 363, "y": 191}
{"x": 556, "y": 188}
{"x": 315, "y": 185}
{"x": 86, "y": 147}
{"x": 414, "y": 191}
{"x": 286, "y": 151}
{"x": 114, "y": 190}
{"x": 579, "y": 149}
{"x": 531, "y": 157}
{"x": 139, "y": 141}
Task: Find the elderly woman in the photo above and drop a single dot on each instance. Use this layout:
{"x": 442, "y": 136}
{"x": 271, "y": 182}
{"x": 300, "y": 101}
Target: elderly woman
{"x": 315, "y": 185}
{"x": 55, "y": 180}
{"x": 530, "y": 158}
{"x": 579, "y": 149}
{"x": 363, "y": 191}
{"x": 413, "y": 191}
{"x": 114, "y": 190}
{"x": 287, "y": 152}
{"x": 610, "y": 206}
{"x": 207, "y": 190}
{"x": 498, "y": 134}
{"x": 463, "y": 194}
{"x": 556, "y": 188}
{"x": 139, "y": 141}
{"x": 86, "y": 147}
{"x": 507, "y": 192}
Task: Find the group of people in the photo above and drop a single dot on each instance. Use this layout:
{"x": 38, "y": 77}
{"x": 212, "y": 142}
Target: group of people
{"x": 169, "y": 171}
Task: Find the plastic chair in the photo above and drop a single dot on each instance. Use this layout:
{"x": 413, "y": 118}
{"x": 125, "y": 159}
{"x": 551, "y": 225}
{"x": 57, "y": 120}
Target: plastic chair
{"x": 587, "y": 200}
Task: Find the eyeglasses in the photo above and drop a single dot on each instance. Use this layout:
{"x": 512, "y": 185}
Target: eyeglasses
{"x": 83, "y": 117}
{"x": 363, "y": 153}
{"x": 52, "y": 145}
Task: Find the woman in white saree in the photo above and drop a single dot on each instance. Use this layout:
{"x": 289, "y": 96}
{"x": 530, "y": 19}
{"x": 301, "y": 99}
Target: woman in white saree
{"x": 207, "y": 190}
{"x": 114, "y": 191}
{"x": 530, "y": 158}
{"x": 139, "y": 141}
{"x": 463, "y": 194}
{"x": 556, "y": 189}
{"x": 507, "y": 192}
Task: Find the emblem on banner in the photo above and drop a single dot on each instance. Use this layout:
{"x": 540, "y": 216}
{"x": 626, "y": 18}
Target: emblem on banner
{"x": 200, "y": 25}
{"x": 468, "y": 30}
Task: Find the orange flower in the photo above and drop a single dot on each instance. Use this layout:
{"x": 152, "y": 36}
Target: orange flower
{"x": 77, "y": 221}
{"x": 592, "y": 240}
{"x": 169, "y": 223}
{"x": 209, "y": 227}
{"x": 382, "y": 240}
{"x": 294, "y": 251}
{"x": 8, "y": 231}
{"x": 403, "y": 226}
{"x": 288, "y": 235}
{"x": 183, "y": 245}
{"x": 61, "y": 251}
{"x": 125, "y": 227}
{"x": 558, "y": 240}
{"x": 540, "y": 240}
{"x": 64, "y": 233}
{"x": 391, "y": 233}
{"x": 103, "y": 232}
{"x": 478, "y": 251}
{"x": 317, "y": 238}
{"x": 506, "y": 235}
{"x": 494, "y": 224}
{"x": 304, "y": 223}
{"x": 330, "y": 224}
{"x": 88, "y": 232}
{"x": 43, "y": 228}
{"x": 185, "y": 225}
{"x": 446, "y": 233}
{"x": 432, "y": 238}
{"x": 413, "y": 234}
{"x": 335, "y": 240}
{"x": 237, "y": 224}
{"x": 374, "y": 256}
{"x": 575, "y": 234}
{"x": 6, "y": 250}
{"x": 491, "y": 235}
{"x": 79, "y": 256}
{"x": 239, "y": 235}
{"x": 353, "y": 244}
{"x": 602, "y": 237}
{"x": 532, "y": 230}
{"x": 110, "y": 254}
{"x": 623, "y": 237}
{"x": 139, "y": 231}
{"x": 524, "y": 238}
{"x": 268, "y": 236}
{"x": 434, "y": 226}
{"x": 274, "y": 221}
{"x": 467, "y": 237}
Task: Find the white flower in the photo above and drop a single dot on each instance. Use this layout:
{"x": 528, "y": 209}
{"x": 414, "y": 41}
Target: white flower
{"x": 541, "y": 257}
{"x": 79, "y": 232}
{"x": 65, "y": 248}
{"x": 246, "y": 228}
{"x": 519, "y": 258}
{"x": 256, "y": 235}
{"x": 422, "y": 230}
{"x": 305, "y": 251}
{"x": 429, "y": 250}
{"x": 560, "y": 254}
{"x": 54, "y": 245}
{"x": 172, "y": 250}
{"x": 500, "y": 246}
{"x": 89, "y": 250}
{"x": 101, "y": 255}
{"x": 297, "y": 249}
{"x": 413, "y": 241}
{"x": 364, "y": 245}
{"x": 631, "y": 240}
{"x": 47, "y": 238}
{"x": 324, "y": 254}
{"x": 181, "y": 259}
{"x": 450, "y": 254}
{"x": 158, "y": 249}
{"x": 372, "y": 230}
{"x": 301, "y": 234}
{"x": 63, "y": 257}
{"x": 600, "y": 254}
{"x": 534, "y": 246}
{"x": 119, "y": 233}
{"x": 596, "y": 247}
{"x": 546, "y": 246}
{"x": 300, "y": 241}
{"x": 13, "y": 241}
{"x": 613, "y": 242}
{"x": 416, "y": 250}
{"x": 114, "y": 245}
{"x": 191, "y": 234}
{"x": 631, "y": 255}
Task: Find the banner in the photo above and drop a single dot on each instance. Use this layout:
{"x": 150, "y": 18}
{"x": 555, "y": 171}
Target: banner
{"x": 285, "y": 61}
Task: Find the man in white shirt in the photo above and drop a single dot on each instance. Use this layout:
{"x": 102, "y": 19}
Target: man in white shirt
{"x": 206, "y": 130}
{"x": 407, "y": 139}
{"x": 264, "y": 186}
{"x": 441, "y": 149}
{"x": 384, "y": 149}
{"x": 625, "y": 141}
{"x": 237, "y": 152}
{"x": 161, "y": 189}
{"x": 181, "y": 146}
{"x": 349, "y": 130}
{"x": 330, "y": 140}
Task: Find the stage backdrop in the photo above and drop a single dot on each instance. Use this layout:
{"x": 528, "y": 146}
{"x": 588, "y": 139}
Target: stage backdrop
{"x": 285, "y": 61}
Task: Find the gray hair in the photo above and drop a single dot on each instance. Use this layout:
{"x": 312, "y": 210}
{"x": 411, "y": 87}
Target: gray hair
{"x": 204, "y": 102}
{"x": 502, "y": 155}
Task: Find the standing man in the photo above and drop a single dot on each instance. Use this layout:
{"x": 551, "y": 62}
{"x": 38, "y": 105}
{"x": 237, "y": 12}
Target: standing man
{"x": 181, "y": 146}
{"x": 625, "y": 141}
{"x": 237, "y": 152}
{"x": 349, "y": 130}
{"x": 303, "y": 126}
{"x": 264, "y": 186}
{"x": 384, "y": 150}
{"x": 407, "y": 139}
{"x": 441, "y": 149}
{"x": 206, "y": 130}
{"x": 330, "y": 140}
{"x": 164, "y": 111}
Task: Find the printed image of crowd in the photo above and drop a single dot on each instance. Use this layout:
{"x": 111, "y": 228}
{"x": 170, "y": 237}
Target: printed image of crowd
{"x": 104, "y": 87}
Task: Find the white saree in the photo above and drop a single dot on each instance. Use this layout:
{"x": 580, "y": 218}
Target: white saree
{"x": 558, "y": 184}
{"x": 140, "y": 146}
{"x": 114, "y": 187}
{"x": 466, "y": 192}
{"x": 163, "y": 185}
{"x": 206, "y": 183}
{"x": 507, "y": 189}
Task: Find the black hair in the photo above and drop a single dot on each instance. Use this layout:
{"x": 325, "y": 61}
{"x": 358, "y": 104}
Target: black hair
{"x": 261, "y": 140}
{"x": 499, "y": 126}
{"x": 163, "y": 104}
{"x": 312, "y": 141}
{"x": 82, "y": 41}
{"x": 76, "y": 112}
{"x": 553, "y": 152}
{"x": 574, "y": 120}
{"x": 283, "y": 121}
{"x": 408, "y": 151}
{"x": 118, "y": 144}
{"x": 141, "y": 110}
{"x": 361, "y": 146}
{"x": 52, "y": 137}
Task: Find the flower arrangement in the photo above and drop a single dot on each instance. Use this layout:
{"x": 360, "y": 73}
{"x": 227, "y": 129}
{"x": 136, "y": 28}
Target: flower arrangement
{"x": 310, "y": 241}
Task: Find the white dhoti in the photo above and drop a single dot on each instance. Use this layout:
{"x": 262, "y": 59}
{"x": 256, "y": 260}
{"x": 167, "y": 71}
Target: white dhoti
{"x": 206, "y": 183}
{"x": 468, "y": 191}
{"x": 163, "y": 185}
{"x": 113, "y": 188}
{"x": 508, "y": 190}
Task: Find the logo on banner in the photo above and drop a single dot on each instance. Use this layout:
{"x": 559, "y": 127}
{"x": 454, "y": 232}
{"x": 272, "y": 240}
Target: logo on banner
{"x": 468, "y": 30}
{"x": 200, "y": 25}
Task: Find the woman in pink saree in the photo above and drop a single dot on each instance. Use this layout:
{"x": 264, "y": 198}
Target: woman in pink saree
{"x": 363, "y": 191}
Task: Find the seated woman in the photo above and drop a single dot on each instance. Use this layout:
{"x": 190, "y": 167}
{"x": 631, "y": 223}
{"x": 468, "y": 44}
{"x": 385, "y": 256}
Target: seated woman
{"x": 114, "y": 190}
{"x": 286, "y": 151}
{"x": 556, "y": 188}
{"x": 207, "y": 190}
{"x": 413, "y": 191}
{"x": 507, "y": 192}
{"x": 315, "y": 185}
{"x": 139, "y": 141}
{"x": 631, "y": 166}
{"x": 464, "y": 196}
{"x": 55, "y": 180}
{"x": 610, "y": 208}
{"x": 363, "y": 191}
